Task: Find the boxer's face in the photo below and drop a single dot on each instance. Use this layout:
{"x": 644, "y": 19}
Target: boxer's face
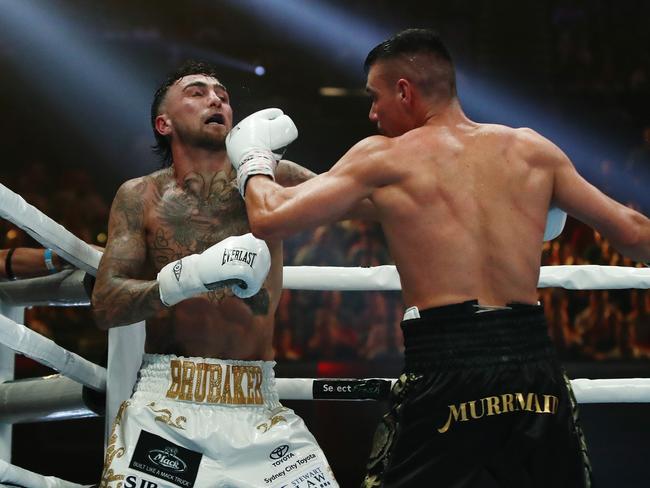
{"x": 196, "y": 111}
{"x": 386, "y": 110}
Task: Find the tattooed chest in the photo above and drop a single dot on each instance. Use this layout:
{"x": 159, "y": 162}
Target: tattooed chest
{"x": 183, "y": 223}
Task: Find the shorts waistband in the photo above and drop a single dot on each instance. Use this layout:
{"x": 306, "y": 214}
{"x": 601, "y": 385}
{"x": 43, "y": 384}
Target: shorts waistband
{"x": 465, "y": 335}
{"x": 207, "y": 381}
{"x": 453, "y": 310}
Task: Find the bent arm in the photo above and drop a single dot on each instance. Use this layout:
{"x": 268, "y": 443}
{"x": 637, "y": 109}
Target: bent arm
{"x": 275, "y": 212}
{"x": 120, "y": 296}
{"x": 626, "y": 229}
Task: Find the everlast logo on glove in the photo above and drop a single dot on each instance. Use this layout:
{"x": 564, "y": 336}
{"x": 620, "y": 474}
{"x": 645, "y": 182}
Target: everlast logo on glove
{"x": 241, "y": 255}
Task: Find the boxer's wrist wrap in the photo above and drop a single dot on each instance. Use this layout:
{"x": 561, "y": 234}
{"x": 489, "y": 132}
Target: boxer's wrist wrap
{"x": 49, "y": 264}
{"x": 255, "y": 162}
{"x": 8, "y": 270}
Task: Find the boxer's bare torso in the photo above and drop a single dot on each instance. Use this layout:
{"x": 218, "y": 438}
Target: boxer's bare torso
{"x": 179, "y": 221}
{"x": 162, "y": 217}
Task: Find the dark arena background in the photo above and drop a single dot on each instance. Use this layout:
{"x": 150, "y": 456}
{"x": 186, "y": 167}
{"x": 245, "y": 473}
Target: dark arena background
{"x": 76, "y": 82}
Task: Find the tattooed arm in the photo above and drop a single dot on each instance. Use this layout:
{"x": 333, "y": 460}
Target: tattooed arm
{"x": 289, "y": 173}
{"x": 120, "y": 296}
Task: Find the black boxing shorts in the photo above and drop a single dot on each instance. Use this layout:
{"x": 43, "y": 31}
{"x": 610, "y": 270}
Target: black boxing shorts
{"x": 482, "y": 403}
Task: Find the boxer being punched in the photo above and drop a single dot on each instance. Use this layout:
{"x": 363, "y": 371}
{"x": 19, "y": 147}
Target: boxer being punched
{"x": 179, "y": 255}
{"x": 482, "y": 401}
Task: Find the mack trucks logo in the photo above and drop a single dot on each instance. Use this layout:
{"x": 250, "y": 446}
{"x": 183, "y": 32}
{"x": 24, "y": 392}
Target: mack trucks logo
{"x": 279, "y": 452}
{"x": 167, "y": 459}
{"x": 240, "y": 255}
{"x": 157, "y": 457}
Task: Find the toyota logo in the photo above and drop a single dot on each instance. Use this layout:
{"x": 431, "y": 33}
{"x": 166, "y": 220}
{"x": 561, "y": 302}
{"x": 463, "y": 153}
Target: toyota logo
{"x": 279, "y": 452}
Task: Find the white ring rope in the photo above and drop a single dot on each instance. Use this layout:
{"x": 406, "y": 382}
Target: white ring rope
{"x": 25, "y": 341}
{"x": 48, "y": 398}
{"x": 46, "y": 231}
{"x": 16, "y": 476}
{"x": 578, "y": 277}
{"x": 624, "y": 390}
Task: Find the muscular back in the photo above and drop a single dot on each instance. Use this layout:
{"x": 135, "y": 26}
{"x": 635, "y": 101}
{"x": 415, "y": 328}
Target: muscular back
{"x": 465, "y": 214}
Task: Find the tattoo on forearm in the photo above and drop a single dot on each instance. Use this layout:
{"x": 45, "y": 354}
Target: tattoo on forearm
{"x": 121, "y": 301}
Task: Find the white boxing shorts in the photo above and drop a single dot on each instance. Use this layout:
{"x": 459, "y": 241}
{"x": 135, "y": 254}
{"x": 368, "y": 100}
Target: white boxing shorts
{"x": 194, "y": 422}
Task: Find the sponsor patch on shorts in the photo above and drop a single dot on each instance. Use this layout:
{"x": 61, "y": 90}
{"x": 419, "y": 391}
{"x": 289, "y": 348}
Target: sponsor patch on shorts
{"x": 294, "y": 470}
{"x": 314, "y": 478}
{"x": 163, "y": 459}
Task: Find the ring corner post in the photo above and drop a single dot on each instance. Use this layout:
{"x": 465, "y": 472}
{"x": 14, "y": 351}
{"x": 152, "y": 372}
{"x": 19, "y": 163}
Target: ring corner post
{"x": 7, "y": 372}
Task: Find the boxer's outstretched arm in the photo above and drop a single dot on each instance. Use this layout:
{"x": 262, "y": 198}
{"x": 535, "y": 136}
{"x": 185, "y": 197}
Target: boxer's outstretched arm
{"x": 275, "y": 212}
{"x": 626, "y": 229}
{"x": 120, "y": 297}
{"x": 289, "y": 173}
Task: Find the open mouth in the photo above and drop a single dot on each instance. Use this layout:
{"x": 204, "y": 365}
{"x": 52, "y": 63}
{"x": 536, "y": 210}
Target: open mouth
{"x": 215, "y": 119}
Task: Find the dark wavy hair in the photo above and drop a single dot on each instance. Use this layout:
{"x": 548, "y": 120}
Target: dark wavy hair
{"x": 439, "y": 74}
{"x": 162, "y": 148}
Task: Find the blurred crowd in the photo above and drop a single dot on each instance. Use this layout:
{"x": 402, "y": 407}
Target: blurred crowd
{"x": 71, "y": 197}
{"x": 365, "y": 325}
{"x": 334, "y": 325}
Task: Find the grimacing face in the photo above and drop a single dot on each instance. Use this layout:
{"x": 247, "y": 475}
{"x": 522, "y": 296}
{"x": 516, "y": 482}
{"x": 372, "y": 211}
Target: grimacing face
{"x": 196, "y": 111}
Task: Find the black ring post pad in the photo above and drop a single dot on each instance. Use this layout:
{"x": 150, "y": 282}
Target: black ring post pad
{"x": 351, "y": 389}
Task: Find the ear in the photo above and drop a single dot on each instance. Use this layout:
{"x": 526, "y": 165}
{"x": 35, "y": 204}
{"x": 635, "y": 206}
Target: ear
{"x": 163, "y": 125}
{"x": 405, "y": 90}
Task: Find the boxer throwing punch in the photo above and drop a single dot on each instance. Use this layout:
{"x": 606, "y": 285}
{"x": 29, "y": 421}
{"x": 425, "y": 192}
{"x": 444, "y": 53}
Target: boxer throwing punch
{"x": 483, "y": 401}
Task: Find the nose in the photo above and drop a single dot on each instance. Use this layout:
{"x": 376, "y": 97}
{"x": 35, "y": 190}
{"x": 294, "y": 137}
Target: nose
{"x": 372, "y": 115}
{"x": 215, "y": 99}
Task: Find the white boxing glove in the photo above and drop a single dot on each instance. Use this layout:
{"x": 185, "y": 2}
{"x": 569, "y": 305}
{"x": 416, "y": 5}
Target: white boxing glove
{"x": 554, "y": 223}
{"x": 241, "y": 262}
{"x": 256, "y": 144}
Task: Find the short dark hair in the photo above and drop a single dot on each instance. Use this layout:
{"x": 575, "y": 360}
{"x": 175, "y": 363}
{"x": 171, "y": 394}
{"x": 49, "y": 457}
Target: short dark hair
{"x": 162, "y": 148}
{"x": 411, "y": 42}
